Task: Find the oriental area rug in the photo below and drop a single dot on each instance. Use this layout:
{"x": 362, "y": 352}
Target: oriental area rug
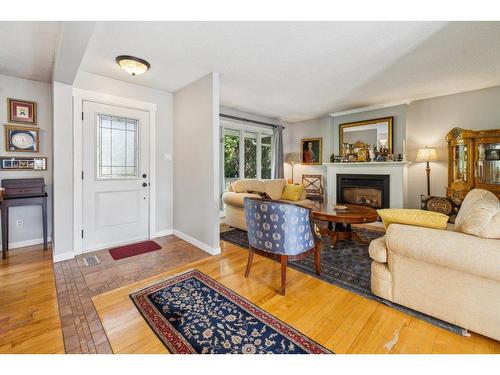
{"x": 192, "y": 313}
{"x": 347, "y": 266}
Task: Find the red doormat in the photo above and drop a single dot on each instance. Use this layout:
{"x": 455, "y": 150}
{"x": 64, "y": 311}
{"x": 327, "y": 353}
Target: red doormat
{"x": 133, "y": 249}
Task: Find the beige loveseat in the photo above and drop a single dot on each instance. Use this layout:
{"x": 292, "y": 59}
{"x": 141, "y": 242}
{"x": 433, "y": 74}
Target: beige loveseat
{"x": 238, "y": 190}
{"x": 451, "y": 275}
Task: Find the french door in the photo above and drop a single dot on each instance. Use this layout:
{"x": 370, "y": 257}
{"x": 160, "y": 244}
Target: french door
{"x": 115, "y": 175}
{"x": 246, "y": 152}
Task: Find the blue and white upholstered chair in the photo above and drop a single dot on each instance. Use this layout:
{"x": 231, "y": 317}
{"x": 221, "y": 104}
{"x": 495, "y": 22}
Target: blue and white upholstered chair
{"x": 280, "y": 231}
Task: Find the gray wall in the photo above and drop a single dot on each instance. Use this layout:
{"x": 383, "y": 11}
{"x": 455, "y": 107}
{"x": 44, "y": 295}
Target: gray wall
{"x": 398, "y": 127}
{"x": 428, "y": 121}
{"x": 196, "y": 163}
{"x": 294, "y": 132}
{"x": 11, "y": 87}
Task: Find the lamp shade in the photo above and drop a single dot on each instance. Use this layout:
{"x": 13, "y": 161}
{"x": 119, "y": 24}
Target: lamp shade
{"x": 292, "y": 158}
{"x": 426, "y": 154}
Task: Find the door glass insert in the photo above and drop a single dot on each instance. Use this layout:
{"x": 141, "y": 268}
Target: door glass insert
{"x": 117, "y": 147}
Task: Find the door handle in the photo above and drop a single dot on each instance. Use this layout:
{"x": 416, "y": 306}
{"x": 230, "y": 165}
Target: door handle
{"x": 144, "y": 175}
{"x": 144, "y": 184}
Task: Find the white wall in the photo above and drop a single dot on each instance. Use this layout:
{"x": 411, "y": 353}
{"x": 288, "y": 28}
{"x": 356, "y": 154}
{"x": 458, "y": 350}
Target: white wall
{"x": 63, "y": 171}
{"x": 196, "y": 163}
{"x": 18, "y": 88}
{"x": 428, "y": 121}
{"x": 164, "y": 134}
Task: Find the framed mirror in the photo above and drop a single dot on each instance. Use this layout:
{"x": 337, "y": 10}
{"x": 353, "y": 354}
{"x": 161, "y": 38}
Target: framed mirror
{"x": 370, "y": 132}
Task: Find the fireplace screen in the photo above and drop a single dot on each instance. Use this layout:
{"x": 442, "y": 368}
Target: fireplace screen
{"x": 363, "y": 197}
{"x": 363, "y": 189}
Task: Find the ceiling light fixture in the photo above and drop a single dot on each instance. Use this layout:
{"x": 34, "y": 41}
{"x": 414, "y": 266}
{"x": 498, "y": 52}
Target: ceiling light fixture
{"x": 133, "y": 65}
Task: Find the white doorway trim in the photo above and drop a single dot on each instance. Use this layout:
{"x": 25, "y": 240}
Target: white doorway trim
{"x": 79, "y": 96}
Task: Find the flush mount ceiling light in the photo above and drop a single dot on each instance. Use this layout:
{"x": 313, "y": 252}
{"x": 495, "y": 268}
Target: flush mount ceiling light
{"x": 133, "y": 65}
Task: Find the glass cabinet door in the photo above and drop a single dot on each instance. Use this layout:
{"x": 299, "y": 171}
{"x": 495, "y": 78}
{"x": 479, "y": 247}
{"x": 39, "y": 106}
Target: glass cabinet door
{"x": 460, "y": 158}
{"x": 488, "y": 163}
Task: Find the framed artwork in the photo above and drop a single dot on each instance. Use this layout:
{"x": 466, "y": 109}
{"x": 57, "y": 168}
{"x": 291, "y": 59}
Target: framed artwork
{"x": 21, "y": 139}
{"x": 19, "y": 164}
{"x": 363, "y": 154}
{"x": 21, "y": 111}
{"x": 311, "y": 150}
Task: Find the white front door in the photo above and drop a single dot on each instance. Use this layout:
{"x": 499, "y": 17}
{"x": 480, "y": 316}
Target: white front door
{"x": 115, "y": 175}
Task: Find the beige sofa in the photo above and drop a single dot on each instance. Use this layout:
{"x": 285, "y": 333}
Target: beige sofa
{"x": 238, "y": 190}
{"x": 451, "y": 275}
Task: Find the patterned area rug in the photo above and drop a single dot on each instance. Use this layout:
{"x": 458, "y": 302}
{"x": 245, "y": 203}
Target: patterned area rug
{"x": 347, "y": 266}
{"x": 193, "y": 313}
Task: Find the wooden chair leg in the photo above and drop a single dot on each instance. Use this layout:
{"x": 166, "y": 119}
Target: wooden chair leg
{"x": 317, "y": 258}
{"x": 284, "y": 262}
{"x": 249, "y": 263}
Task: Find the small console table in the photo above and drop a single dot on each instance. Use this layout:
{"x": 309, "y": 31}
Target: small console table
{"x": 22, "y": 192}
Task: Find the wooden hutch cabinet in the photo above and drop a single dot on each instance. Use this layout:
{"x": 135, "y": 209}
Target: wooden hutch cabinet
{"x": 473, "y": 162}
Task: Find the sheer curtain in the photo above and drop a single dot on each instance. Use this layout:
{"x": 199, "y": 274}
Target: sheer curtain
{"x": 278, "y": 152}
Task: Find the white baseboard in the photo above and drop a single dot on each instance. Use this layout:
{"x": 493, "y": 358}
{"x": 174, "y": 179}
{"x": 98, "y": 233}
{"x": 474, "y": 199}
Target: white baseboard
{"x": 34, "y": 241}
{"x": 163, "y": 232}
{"x": 62, "y": 257}
{"x": 197, "y": 243}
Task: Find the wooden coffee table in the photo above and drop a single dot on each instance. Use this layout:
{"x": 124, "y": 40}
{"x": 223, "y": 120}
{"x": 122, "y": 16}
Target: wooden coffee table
{"x": 339, "y": 221}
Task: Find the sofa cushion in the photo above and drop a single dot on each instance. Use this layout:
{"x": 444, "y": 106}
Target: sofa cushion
{"x": 293, "y": 192}
{"x": 378, "y": 250}
{"x": 242, "y": 186}
{"x": 236, "y": 199}
{"x": 420, "y": 218}
{"x": 274, "y": 188}
{"x": 479, "y": 215}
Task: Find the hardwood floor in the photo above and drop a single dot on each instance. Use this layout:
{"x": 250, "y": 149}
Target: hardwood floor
{"x": 29, "y": 313}
{"x": 340, "y": 320}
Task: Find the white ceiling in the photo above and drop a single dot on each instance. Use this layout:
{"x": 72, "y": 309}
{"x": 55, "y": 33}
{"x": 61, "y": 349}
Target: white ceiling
{"x": 287, "y": 70}
{"x": 28, "y": 49}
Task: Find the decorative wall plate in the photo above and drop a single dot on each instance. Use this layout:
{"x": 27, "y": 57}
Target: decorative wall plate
{"x": 21, "y": 139}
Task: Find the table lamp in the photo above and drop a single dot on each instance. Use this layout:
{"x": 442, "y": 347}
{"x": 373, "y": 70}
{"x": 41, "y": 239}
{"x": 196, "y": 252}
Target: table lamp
{"x": 427, "y": 154}
{"x": 292, "y": 158}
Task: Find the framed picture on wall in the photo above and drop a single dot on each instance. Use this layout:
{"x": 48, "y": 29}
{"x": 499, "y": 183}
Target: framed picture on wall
{"x": 21, "y": 111}
{"x": 21, "y": 139}
{"x": 311, "y": 151}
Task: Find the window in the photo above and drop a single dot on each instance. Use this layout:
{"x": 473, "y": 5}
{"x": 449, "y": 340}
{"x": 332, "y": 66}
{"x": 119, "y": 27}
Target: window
{"x": 246, "y": 152}
{"x": 117, "y": 142}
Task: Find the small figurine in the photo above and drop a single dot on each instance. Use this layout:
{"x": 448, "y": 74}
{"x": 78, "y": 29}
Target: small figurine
{"x": 400, "y": 157}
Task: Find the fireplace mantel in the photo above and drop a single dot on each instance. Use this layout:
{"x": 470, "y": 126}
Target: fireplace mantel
{"x": 397, "y": 172}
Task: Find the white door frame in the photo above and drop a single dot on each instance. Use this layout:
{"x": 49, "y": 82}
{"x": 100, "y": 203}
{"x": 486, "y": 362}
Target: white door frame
{"x": 79, "y": 96}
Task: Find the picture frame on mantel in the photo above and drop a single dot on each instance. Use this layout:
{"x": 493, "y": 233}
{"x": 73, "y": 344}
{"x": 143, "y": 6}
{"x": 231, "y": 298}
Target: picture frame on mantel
{"x": 22, "y": 111}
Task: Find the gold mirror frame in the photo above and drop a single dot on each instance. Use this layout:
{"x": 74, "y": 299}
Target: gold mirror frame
{"x": 389, "y": 121}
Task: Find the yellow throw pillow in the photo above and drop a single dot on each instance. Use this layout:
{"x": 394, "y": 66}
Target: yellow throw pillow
{"x": 419, "y": 218}
{"x": 293, "y": 192}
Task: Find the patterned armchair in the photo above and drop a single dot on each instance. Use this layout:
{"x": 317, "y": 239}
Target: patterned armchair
{"x": 280, "y": 231}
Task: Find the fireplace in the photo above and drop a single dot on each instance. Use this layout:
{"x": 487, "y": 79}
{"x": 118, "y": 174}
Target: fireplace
{"x": 370, "y": 190}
